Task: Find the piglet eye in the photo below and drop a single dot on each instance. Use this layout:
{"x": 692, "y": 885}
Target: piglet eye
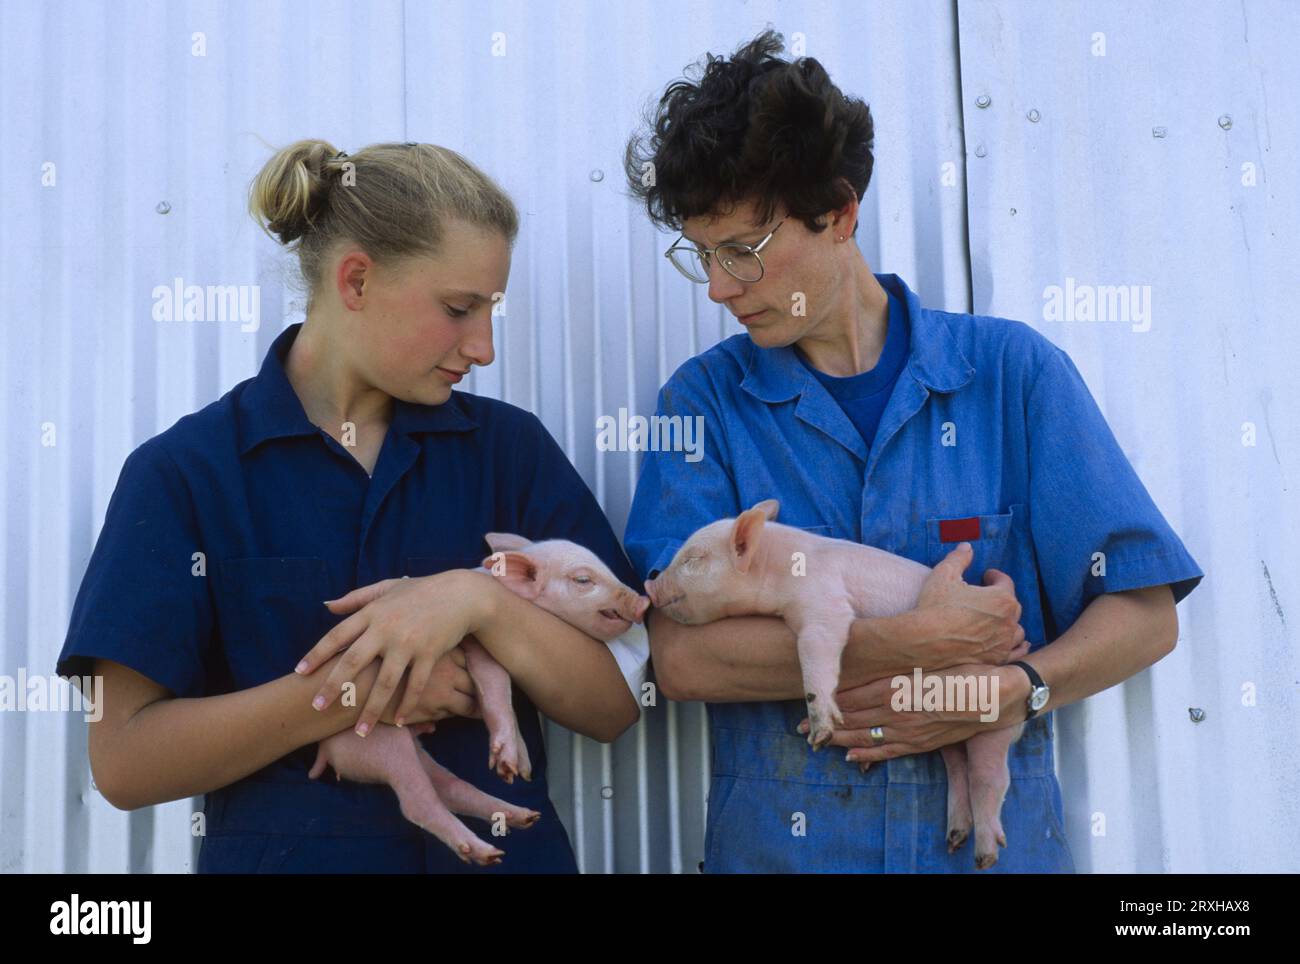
{"x": 582, "y": 580}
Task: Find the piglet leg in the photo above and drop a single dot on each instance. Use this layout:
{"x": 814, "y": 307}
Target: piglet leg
{"x": 990, "y": 778}
{"x": 507, "y": 754}
{"x": 390, "y": 755}
{"x": 821, "y": 641}
{"x": 960, "y": 820}
{"x": 465, "y": 798}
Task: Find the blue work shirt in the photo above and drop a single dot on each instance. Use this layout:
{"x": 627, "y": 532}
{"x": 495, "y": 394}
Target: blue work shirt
{"x": 286, "y": 519}
{"x": 990, "y": 426}
{"x": 863, "y": 396}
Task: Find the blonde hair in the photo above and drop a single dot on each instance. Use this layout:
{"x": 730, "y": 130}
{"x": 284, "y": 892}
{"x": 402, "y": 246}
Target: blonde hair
{"x": 391, "y": 200}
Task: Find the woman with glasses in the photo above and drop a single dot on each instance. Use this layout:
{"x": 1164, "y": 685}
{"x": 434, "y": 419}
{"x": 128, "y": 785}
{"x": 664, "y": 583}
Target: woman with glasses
{"x": 347, "y": 470}
{"x": 967, "y": 443}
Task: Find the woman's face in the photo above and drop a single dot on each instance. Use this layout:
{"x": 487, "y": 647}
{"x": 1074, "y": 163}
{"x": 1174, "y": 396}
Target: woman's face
{"x": 804, "y": 277}
{"x": 428, "y": 319}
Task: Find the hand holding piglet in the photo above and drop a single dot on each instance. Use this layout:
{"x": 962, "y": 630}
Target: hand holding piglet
{"x": 751, "y": 565}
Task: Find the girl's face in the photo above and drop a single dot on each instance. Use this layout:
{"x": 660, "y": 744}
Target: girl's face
{"x": 428, "y": 319}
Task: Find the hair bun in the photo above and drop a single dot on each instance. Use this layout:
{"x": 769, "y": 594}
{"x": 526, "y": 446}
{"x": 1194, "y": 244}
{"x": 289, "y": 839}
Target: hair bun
{"x": 291, "y": 192}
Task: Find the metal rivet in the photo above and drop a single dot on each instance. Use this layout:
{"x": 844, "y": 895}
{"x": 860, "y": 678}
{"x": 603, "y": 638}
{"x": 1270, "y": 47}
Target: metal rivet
{"x": 597, "y": 175}
{"x": 1225, "y": 122}
{"x": 606, "y": 793}
{"x": 162, "y": 207}
{"x": 1196, "y": 713}
{"x": 979, "y": 150}
{"x": 1034, "y": 116}
{"x": 1158, "y": 132}
{"x": 982, "y": 101}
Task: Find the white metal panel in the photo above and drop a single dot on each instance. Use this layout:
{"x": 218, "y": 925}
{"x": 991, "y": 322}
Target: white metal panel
{"x": 542, "y": 96}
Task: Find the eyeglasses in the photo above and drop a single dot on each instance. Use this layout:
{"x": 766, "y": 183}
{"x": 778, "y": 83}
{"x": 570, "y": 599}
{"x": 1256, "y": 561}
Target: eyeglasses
{"x": 741, "y": 261}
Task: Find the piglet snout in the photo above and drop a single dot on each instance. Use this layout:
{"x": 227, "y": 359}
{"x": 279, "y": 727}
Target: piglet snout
{"x": 637, "y": 607}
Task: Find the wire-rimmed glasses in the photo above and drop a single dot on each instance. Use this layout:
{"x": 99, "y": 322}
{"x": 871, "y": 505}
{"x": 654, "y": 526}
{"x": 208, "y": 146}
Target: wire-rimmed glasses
{"x": 741, "y": 261}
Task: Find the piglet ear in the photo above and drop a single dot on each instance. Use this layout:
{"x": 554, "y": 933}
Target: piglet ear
{"x": 519, "y": 571}
{"x": 745, "y": 533}
{"x": 505, "y": 541}
{"x": 769, "y": 508}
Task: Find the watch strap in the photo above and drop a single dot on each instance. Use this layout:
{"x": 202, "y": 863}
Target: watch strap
{"x": 1035, "y": 683}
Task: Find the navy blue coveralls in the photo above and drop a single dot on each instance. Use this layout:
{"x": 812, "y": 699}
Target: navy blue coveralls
{"x": 286, "y": 518}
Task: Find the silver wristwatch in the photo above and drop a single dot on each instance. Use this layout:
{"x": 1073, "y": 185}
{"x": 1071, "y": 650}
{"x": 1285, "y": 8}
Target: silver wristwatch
{"x": 1039, "y": 692}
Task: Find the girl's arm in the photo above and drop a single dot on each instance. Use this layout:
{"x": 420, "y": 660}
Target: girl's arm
{"x": 571, "y": 677}
{"x": 149, "y": 747}
{"x": 408, "y": 623}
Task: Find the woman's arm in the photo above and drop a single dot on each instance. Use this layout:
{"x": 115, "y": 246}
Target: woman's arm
{"x": 745, "y": 658}
{"x": 753, "y": 658}
{"x": 149, "y": 748}
{"x": 1118, "y": 635}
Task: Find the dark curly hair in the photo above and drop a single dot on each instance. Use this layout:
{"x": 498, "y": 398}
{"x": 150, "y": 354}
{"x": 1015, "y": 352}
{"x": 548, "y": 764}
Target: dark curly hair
{"x": 752, "y": 128}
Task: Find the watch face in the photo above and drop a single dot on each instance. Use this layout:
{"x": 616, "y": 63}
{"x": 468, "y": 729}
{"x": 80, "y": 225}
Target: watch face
{"x": 1038, "y": 699}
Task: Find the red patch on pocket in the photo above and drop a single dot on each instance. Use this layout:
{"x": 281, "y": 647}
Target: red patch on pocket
{"x": 959, "y": 530}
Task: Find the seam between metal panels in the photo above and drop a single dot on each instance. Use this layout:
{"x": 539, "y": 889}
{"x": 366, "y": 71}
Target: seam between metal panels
{"x": 965, "y": 194}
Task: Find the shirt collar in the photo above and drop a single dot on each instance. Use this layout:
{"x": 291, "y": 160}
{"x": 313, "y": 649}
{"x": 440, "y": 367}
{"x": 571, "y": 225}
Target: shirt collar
{"x": 777, "y": 374}
{"x": 269, "y": 407}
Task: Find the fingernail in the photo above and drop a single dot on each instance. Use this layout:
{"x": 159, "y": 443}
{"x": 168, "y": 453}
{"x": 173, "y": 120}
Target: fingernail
{"x": 301, "y": 667}
{"x": 363, "y": 729}
{"x": 318, "y": 702}
{"x": 399, "y": 721}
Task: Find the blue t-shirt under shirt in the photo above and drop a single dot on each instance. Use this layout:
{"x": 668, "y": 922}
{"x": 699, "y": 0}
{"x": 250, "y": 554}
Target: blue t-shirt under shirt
{"x": 863, "y": 397}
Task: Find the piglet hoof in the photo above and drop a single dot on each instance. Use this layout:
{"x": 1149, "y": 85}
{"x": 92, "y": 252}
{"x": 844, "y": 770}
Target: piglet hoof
{"x": 819, "y": 735}
{"x": 505, "y": 759}
{"x": 525, "y": 764}
{"x": 501, "y": 767}
{"x": 983, "y": 861}
{"x": 477, "y": 852}
{"x": 956, "y": 837}
{"x": 521, "y": 818}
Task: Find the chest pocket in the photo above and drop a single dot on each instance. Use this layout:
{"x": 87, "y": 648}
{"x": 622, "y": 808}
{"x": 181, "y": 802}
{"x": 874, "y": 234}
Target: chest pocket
{"x": 999, "y": 541}
{"x": 270, "y": 612}
{"x": 1004, "y": 543}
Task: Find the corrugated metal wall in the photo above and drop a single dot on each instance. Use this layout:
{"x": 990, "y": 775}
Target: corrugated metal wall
{"x": 1120, "y": 144}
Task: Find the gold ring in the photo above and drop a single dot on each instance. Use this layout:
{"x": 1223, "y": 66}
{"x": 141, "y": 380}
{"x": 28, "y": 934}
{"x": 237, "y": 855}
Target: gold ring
{"x": 877, "y": 735}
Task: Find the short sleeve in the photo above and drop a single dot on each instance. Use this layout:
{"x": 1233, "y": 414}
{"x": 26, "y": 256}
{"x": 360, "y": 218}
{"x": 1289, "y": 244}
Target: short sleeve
{"x": 141, "y": 602}
{"x": 1086, "y": 499}
{"x": 674, "y": 495}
